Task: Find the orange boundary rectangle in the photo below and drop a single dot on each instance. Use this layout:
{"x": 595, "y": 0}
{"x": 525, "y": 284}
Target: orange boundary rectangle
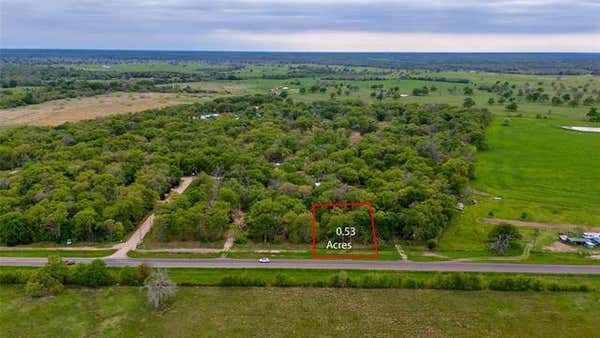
{"x": 343, "y": 204}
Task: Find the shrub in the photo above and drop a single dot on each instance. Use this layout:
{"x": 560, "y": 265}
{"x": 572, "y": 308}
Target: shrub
{"x": 57, "y": 269}
{"x": 14, "y": 277}
{"x": 318, "y": 284}
{"x": 432, "y": 244}
{"x": 134, "y": 276}
{"x": 41, "y": 284}
{"x": 94, "y": 274}
{"x": 340, "y": 280}
{"x": 512, "y": 106}
{"x": 241, "y": 239}
{"x": 513, "y": 284}
{"x": 144, "y": 271}
{"x": 242, "y": 280}
{"x": 457, "y": 281}
{"x": 554, "y": 286}
{"x": 411, "y": 283}
{"x": 128, "y": 276}
{"x": 283, "y": 280}
{"x": 374, "y": 280}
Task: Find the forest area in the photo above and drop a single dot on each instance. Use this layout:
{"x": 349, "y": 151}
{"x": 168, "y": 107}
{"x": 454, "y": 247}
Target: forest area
{"x": 95, "y": 180}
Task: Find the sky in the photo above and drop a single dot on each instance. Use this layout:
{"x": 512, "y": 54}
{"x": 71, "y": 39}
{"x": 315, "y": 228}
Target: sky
{"x": 308, "y": 25}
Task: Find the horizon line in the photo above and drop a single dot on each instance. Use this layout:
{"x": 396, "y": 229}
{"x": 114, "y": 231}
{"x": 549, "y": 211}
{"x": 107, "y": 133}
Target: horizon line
{"x": 299, "y": 51}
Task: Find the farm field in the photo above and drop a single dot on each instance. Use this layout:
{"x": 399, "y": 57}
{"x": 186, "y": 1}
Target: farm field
{"x": 535, "y": 160}
{"x": 57, "y": 112}
{"x": 303, "y": 312}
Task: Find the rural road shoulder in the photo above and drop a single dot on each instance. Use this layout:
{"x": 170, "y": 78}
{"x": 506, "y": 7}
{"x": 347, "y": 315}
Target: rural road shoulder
{"x": 327, "y": 264}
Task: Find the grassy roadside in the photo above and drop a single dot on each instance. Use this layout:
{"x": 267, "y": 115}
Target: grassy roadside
{"x": 172, "y": 255}
{"x": 61, "y": 253}
{"x": 322, "y": 277}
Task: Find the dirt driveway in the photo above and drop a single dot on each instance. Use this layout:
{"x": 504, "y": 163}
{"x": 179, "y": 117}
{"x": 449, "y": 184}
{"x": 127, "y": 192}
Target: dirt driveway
{"x": 138, "y": 236}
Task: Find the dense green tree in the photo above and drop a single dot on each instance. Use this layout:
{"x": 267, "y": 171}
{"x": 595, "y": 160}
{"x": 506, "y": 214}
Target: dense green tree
{"x": 468, "y": 102}
{"x": 14, "y": 229}
{"x": 593, "y": 115}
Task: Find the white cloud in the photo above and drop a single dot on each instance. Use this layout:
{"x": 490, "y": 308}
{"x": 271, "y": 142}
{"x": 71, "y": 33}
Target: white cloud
{"x": 413, "y": 42}
{"x": 403, "y": 25}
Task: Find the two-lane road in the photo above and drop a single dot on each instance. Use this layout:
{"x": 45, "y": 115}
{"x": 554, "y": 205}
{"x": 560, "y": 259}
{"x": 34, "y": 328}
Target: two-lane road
{"x": 328, "y": 264}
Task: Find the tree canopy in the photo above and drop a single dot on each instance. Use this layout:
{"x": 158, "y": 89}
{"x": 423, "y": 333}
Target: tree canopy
{"x": 265, "y": 155}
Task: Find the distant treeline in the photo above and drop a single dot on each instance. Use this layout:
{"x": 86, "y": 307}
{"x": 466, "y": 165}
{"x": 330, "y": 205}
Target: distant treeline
{"x": 71, "y": 89}
{"x": 12, "y": 75}
{"x": 530, "y": 63}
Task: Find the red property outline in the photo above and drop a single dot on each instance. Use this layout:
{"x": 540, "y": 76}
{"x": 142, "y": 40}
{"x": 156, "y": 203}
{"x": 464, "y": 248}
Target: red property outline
{"x": 343, "y": 204}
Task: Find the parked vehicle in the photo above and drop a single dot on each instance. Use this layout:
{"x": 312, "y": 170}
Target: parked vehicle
{"x": 591, "y": 235}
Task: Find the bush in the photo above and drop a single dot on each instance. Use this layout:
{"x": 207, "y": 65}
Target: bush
{"x": 514, "y": 284}
{"x": 134, "y": 276}
{"x": 283, "y": 280}
{"x": 554, "y": 286}
{"x": 411, "y": 283}
{"x": 14, "y": 277}
{"x": 144, "y": 271}
{"x": 57, "y": 269}
{"x": 457, "y": 281}
{"x": 340, "y": 280}
{"x": 374, "y": 280}
{"x": 41, "y": 284}
{"x": 94, "y": 274}
{"x": 432, "y": 244}
{"x": 240, "y": 239}
{"x": 318, "y": 284}
{"x": 242, "y": 280}
{"x": 129, "y": 276}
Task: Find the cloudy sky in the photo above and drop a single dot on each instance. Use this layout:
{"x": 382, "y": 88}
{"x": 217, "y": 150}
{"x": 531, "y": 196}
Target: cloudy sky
{"x": 309, "y": 25}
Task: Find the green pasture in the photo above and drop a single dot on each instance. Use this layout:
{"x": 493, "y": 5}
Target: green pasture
{"x": 301, "y": 312}
{"x": 536, "y": 160}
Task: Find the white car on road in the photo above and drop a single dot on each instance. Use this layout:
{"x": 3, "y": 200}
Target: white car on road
{"x": 264, "y": 260}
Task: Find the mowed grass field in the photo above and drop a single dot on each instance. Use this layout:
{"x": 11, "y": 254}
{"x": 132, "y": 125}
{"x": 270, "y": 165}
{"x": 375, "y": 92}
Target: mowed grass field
{"x": 535, "y": 160}
{"x": 298, "y": 312}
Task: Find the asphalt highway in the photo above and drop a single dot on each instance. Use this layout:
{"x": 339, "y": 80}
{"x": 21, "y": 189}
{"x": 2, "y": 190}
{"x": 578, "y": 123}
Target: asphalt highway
{"x": 327, "y": 264}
